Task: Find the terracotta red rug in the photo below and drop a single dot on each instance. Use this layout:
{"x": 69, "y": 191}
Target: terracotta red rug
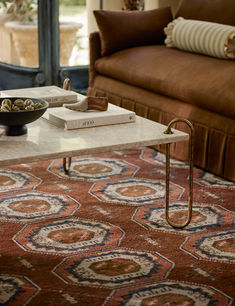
{"x": 99, "y": 237}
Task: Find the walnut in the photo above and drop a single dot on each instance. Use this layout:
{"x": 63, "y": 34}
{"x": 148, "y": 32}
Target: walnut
{"x": 19, "y": 102}
{"x": 15, "y": 108}
{"x": 28, "y": 102}
{"x": 6, "y": 102}
{"x": 19, "y": 105}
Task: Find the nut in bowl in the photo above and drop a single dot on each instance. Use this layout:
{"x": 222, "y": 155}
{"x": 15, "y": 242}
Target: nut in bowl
{"x": 16, "y": 112}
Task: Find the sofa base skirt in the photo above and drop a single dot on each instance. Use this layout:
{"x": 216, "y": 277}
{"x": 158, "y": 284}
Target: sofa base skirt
{"x": 214, "y": 145}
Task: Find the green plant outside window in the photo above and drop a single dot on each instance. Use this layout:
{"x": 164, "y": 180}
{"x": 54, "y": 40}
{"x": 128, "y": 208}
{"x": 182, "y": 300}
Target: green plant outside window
{"x": 22, "y": 10}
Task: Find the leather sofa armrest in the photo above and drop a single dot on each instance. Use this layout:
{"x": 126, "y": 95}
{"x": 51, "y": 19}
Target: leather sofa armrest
{"x": 95, "y": 53}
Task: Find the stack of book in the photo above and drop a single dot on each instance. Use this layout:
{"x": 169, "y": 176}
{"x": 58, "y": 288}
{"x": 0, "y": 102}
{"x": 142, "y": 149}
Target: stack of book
{"x": 70, "y": 119}
{"x": 54, "y": 95}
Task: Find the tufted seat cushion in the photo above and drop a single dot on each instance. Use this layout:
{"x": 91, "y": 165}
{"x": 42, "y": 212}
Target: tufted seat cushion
{"x": 200, "y": 80}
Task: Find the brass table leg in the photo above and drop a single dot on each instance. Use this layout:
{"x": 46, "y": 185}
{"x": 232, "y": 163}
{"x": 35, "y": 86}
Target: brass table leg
{"x": 190, "y": 196}
{"x": 65, "y": 166}
{"x": 67, "y": 86}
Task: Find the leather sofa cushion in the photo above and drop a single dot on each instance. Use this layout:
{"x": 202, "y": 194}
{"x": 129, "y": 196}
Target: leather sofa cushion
{"x": 125, "y": 29}
{"x": 201, "y": 80}
{"x": 208, "y": 10}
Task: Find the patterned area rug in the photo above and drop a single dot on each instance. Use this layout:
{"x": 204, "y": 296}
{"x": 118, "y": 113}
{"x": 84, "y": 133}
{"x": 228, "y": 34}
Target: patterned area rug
{"x": 99, "y": 237}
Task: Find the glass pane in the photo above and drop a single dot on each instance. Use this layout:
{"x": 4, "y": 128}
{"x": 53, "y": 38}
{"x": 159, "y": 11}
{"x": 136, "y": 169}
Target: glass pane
{"x": 18, "y": 33}
{"x": 73, "y": 33}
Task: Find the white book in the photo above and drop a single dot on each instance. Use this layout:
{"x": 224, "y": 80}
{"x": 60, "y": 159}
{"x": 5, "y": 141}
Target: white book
{"x": 69, "y": 119}
{"x": 54, "y": 95}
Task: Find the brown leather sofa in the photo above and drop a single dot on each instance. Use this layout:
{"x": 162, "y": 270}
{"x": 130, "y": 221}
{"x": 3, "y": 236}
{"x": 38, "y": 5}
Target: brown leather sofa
{"x": 137, "y": 71}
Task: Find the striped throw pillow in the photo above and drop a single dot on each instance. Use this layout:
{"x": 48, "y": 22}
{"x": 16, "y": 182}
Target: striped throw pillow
{"x": 203, "y": 37}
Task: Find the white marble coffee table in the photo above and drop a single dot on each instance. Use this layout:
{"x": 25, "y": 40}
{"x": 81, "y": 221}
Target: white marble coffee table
{"x": 45, "y": 141}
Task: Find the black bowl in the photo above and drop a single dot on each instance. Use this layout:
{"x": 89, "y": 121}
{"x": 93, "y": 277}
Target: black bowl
{"x": 15, "y": 122}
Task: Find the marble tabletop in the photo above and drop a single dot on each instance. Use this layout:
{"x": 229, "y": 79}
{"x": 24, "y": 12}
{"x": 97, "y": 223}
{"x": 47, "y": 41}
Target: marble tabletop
{"x": 45, "y": 141}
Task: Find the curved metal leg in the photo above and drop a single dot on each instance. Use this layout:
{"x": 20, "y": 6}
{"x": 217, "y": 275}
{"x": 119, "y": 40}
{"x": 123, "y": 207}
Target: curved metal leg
{"x": 65, "y": 167}
{"x": 67, "y": 84}
{"x": 190, "y": 196}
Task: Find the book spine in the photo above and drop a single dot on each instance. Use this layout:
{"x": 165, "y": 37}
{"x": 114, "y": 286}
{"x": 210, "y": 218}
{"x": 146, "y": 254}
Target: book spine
{"x": 60, "y": 104}
{"x": 92, "y": 122}
{"x": 99, "y": 121}
{"x": 61, "y": 99}
{"x": 57, "y": 100}
{"x": 56, "y": 121}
